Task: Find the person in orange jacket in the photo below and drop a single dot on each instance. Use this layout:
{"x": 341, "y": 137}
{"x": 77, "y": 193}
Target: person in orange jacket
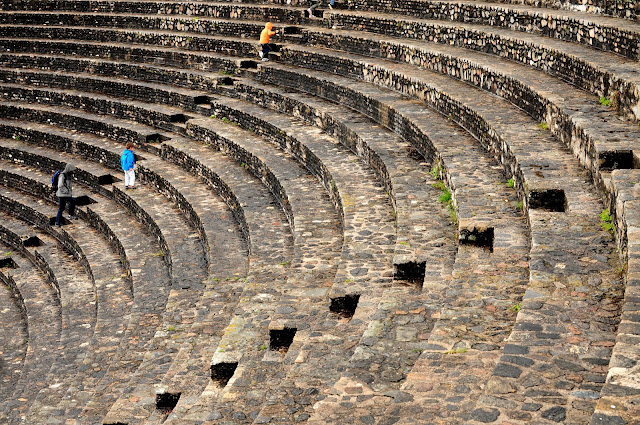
{"x": 265, "y": 35}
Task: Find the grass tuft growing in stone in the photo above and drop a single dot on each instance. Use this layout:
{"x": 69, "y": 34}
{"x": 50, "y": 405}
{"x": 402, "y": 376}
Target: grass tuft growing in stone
{"x": 456, "y": 351}
{"x": 511, "y": 183}
{"x": 606, "y": 221}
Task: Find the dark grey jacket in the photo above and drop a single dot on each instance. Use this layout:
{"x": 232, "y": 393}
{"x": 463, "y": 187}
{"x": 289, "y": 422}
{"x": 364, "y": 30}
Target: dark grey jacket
{"x": 65, "y": 181}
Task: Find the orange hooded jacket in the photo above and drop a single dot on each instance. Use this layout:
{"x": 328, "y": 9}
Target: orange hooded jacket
{"x": 266, "y": 33}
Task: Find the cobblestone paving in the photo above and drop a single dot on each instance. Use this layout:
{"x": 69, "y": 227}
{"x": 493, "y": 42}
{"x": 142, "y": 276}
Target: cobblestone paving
{"x": 78, "y": 307}
{"x": 15, "y": 338}
{"x": 524, "y": 330}
{"x": 396, "y": 164}
{"x": 45, "y": 332}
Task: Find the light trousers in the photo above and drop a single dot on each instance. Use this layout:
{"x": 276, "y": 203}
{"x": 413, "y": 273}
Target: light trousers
{"x": 129, "y": 178}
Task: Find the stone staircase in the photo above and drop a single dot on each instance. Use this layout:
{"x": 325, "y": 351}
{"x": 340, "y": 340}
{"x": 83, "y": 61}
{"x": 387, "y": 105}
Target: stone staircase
{"x": 419, "y": 212}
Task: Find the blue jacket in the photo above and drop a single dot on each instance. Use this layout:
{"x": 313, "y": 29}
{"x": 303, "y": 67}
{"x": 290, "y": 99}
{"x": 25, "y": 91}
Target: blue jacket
{"x": 127, "y": 160}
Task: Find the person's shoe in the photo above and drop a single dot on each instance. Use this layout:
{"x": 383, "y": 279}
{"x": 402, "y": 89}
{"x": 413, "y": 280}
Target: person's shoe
{"x": 261, "y": 54}
{"x": 58, "y": 225}
{"x": 265, "y": 59}
{"x": 310, "y": 12}
{"x": 132, "y": 187}
{"x": 330, "y": 7}
{"x": 73, "y": 217}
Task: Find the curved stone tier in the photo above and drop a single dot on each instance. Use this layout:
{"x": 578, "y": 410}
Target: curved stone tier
{"x": 344, "y": 163}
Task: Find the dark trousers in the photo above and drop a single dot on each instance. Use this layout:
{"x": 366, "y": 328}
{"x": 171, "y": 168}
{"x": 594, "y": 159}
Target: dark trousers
{"x": 265, "y": 50}
{"x": 62, "y": 201}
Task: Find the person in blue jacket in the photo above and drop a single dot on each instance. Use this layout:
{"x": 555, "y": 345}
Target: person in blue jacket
{"x": 127, "y": 160}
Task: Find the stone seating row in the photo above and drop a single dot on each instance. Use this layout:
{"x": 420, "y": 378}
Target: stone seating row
{"x": 225, "y": 229}
{"x": 598, "y": 72}
{"x": 144, "y": 311}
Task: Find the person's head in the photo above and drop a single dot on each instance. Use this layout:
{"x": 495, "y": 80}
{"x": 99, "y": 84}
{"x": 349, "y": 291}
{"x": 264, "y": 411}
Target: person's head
{"x": 268, "y": 26}
{"x": 129, "y": 146}
{"x": 69, "y": 168}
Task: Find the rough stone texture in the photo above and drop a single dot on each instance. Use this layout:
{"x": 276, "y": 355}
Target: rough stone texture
{"x": 529, "y": 329}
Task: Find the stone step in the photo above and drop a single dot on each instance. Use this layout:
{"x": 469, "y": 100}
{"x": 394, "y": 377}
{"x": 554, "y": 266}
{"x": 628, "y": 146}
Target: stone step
{"x": 579, "y": 11}
{"x": 169, "y": 47}
{"x": 44, "y": 324}
{"x": 603, "y": 32}
{"x": 519, "y": 138}
{"x": 396, "y": 164}
{"x": 245, "y": 11}
{"x": 604, "y": 73}
{"x": 511, "y": 247}
{"x": 615, "y": 404}
{"x": 14, "y": 320}
{"x": 167, "y": 23}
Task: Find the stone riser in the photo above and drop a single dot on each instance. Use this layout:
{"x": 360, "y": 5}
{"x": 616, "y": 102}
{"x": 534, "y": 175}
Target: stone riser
{"x": 546, "y": 23}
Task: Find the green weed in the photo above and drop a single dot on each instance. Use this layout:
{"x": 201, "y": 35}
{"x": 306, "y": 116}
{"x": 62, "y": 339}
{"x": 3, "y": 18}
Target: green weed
{"x": 544, "y": 126}
{"x": 516, "y": 307}
{"x": 457, "y": 351}
{"x": 604, "y": 101}
{"x": 606, "y": 221}
{"x": 511, "y": 183}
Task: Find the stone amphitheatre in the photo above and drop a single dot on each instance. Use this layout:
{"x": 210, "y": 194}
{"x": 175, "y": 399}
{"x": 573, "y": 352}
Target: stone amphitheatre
{"x": 417, "y": 212}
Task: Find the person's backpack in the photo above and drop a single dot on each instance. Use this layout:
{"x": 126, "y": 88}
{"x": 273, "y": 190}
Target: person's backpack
{"x": 54, "y": 181}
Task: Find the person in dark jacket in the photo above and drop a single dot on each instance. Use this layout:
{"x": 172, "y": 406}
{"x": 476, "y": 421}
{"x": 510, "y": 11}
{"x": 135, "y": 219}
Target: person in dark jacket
{"x": 127, "y": 160}
{"x": 65, "y": 193}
